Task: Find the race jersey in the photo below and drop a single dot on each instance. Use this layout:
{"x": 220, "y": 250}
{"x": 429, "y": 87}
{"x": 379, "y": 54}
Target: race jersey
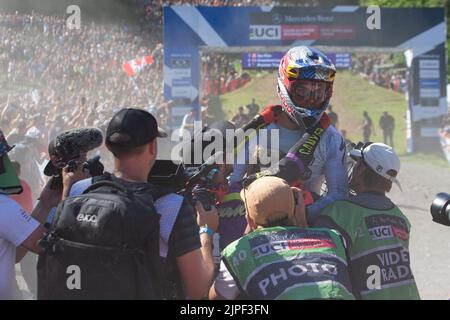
{"x": 377, "y": 242}
{"x": 329, "y": 164}
{"x": 289, "y": 263}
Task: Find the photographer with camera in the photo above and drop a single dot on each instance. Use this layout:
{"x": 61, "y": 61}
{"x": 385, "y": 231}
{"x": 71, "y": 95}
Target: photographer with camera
{"x": 374, "y": 228}
{"x": 281, "y": 258}
{"x": 68, "y": 159}
{"x": 122, "y": 212}
{"x": 225, "y": 195}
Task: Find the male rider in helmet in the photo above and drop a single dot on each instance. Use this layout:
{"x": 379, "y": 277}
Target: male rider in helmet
{"x": 305, "y": 86}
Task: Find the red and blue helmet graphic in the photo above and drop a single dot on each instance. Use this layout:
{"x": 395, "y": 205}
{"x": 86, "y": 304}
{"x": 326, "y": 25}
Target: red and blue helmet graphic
{"x": 305, "y": 84}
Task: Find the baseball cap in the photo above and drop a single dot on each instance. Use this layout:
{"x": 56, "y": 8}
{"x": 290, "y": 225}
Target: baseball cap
{"x": 381, "y": 158}
{"x": 269, "y": 199}
{"x": 135, "y": 126}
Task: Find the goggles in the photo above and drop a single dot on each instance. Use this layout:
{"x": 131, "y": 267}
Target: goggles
{"x": 310, "y": 94}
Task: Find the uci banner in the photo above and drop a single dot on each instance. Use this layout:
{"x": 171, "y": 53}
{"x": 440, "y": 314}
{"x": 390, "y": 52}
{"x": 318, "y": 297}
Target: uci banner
{"x": 422, "y": 36}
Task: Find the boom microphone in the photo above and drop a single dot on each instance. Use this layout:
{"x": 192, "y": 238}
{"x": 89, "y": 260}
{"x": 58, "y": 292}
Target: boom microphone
{"x": 78, "y": 141}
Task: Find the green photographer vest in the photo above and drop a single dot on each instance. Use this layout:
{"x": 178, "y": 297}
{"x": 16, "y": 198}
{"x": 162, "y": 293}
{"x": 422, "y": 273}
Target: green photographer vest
{"x": 289, "y": 263}
{"x": 378, "y": 249}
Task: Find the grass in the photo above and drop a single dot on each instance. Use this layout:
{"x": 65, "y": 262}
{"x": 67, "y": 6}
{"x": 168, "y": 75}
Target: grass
{"x": 352, "y": 95}
{"x": 261, "y": 87}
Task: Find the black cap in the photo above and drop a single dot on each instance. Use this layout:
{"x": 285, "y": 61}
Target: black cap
{"x": 135, "y": 126}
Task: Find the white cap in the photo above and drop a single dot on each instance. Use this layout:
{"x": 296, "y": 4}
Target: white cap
{"x": 381, "y": 158}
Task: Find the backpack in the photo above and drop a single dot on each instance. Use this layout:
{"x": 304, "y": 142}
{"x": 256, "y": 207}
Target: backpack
{"x": 102, "y": 244}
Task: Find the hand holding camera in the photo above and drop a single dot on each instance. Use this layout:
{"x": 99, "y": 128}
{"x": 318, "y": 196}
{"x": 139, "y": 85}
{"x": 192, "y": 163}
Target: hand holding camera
{"x": 209, "y": 218}
{"x": 72, "y": 173}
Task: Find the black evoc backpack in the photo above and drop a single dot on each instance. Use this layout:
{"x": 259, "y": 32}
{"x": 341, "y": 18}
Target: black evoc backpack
{"x": 102, "y": 244}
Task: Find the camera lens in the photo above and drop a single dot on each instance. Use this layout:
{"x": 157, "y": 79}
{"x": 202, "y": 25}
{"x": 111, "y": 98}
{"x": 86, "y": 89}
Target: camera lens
{"x": 440, "y": 209}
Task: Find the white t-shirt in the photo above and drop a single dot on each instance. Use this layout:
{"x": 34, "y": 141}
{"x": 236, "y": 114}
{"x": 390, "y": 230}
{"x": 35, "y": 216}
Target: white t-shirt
{"x": 15, "y": 227}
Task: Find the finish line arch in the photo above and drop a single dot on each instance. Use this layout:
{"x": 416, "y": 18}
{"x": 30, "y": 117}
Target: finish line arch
{"x": 419, "y": 32}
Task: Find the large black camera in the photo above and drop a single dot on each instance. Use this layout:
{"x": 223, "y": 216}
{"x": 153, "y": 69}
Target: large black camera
{"x": 440, "y": 209}
{"x": 196, "y": 183}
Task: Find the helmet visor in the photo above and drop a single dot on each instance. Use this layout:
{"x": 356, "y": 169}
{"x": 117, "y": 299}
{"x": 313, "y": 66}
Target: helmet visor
{"x": 310, "y": 94}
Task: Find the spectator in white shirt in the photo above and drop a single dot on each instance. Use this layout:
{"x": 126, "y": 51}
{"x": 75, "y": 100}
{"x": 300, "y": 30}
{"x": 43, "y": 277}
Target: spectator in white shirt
{"x": 19, "y": 232}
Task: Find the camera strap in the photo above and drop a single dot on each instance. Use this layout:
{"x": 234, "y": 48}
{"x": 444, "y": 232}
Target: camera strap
{"x": 302, "y": 153}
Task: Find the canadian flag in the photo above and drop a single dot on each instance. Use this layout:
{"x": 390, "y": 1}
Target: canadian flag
{"x": 135, "y": 66}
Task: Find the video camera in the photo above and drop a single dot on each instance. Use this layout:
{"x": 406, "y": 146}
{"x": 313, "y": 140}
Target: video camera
{"x": 196, "y": 183}
{"x": 66, "y": 150}
{"x": 440, "y": 209}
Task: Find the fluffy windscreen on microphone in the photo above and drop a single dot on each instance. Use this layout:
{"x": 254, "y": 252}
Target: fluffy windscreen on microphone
{"x": 70, "y": 144}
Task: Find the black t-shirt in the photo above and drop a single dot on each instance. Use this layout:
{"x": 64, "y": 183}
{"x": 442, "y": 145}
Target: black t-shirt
{"x": 184, "y": 238}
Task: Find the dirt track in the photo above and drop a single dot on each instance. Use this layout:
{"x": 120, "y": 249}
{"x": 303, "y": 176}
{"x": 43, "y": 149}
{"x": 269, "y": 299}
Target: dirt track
{"x": 430, "y": 242}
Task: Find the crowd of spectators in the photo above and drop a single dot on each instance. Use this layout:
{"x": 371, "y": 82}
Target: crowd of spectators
{"x": 54, "y": 79}
{"x": 380, "y": 70}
